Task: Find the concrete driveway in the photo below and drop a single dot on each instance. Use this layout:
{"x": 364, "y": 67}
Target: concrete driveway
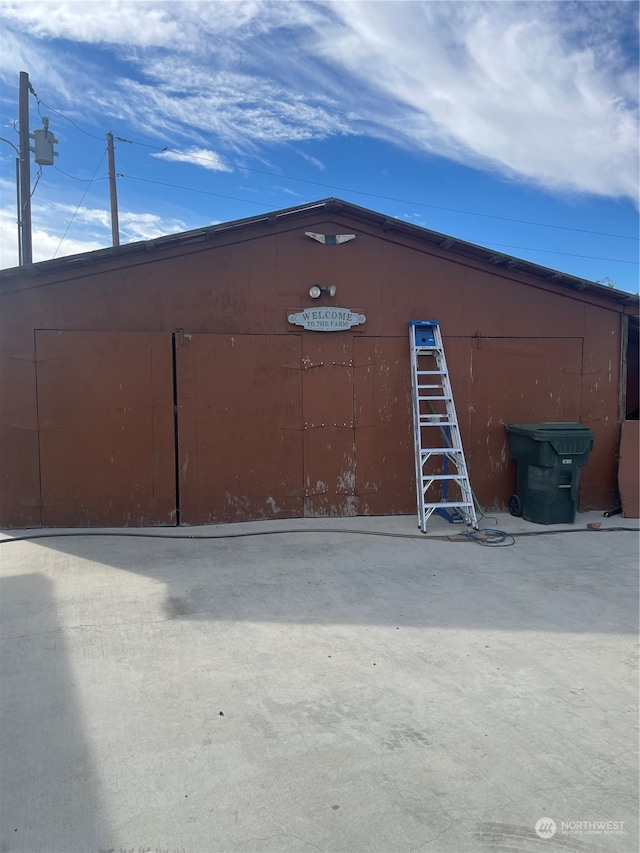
{"x": 321, "y": 691}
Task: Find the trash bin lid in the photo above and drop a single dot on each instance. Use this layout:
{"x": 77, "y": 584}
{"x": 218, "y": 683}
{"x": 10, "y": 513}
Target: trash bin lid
{"x": 568, "y": 439}
{"x": 548, "y": 431}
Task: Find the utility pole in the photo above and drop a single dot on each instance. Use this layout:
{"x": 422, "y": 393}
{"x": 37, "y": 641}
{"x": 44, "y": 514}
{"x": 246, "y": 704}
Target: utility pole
{"x": 24, "y": 185}
{"x": 115, "y": 229}
{"x": 44, "y": 141}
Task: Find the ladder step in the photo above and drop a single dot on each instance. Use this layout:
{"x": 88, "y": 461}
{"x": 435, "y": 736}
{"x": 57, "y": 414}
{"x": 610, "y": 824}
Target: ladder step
{"x": 427, "y": 450}
{"x": 436, "y": 398}
{"x": 430, "y": 373}
{"x": 454, "y": 477}
{"x": 447, "y": 504}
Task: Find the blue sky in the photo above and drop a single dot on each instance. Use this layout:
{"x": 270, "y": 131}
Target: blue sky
{"x": 509, "y": 124}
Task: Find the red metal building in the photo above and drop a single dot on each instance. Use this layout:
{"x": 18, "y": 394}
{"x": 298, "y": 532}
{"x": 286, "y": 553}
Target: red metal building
{"x": 169, "y": 381}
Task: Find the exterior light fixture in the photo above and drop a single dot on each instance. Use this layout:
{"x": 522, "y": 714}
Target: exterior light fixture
{"x": 316, "y": 290}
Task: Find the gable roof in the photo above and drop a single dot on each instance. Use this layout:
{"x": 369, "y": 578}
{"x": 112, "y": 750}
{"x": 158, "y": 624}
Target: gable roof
{"x": 387, "y": 224}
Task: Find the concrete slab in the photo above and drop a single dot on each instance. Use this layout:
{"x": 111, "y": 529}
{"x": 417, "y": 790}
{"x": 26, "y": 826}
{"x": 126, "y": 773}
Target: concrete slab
{"x": 320, "y": 690}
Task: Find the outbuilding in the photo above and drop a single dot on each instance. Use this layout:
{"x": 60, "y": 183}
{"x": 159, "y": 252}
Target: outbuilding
{"x": 200, "y": 378}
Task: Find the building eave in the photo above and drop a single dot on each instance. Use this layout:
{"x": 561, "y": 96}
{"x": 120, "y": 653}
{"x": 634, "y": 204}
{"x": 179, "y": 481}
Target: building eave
{"x": 436, "y": 240}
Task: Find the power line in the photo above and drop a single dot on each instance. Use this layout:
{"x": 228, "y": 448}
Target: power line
{"x": 75, "y": 178}
{"x": 38, "y": 176}
{"x": 407, "y": 201}
{"x": 263, "y": 204}
{"x": 270, "y": 206}
{"x": 348, "y": 189}
{"x": 142, "y": 144}
{"x": 86, "y": 132}
{"x": 324, "y": 186}
{"x": 551, "y": 252}
{"x": 62, "y": 115}
{"x": 193, "y": 190}
{"x": 80, "y": 203}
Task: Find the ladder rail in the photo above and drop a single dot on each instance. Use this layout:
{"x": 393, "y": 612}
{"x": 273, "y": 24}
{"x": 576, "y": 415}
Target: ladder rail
{"x": 416, "y": 426}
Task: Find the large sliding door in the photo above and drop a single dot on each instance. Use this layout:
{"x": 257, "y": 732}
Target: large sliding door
{"x": 106, "y": 426}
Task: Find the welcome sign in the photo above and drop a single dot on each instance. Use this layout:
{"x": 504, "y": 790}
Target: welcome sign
{"x": 330, "y": 319}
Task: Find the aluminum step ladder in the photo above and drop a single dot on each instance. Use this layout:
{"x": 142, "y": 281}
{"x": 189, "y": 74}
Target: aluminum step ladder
{"x": 442, "y": 479}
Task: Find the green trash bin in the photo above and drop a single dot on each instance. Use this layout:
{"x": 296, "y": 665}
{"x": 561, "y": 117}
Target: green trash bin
{"x": 549, "y": 458}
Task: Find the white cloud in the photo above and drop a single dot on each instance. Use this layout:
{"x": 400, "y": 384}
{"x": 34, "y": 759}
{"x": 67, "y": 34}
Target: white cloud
{"x": 47, "y": 245}
{"x": 45, "y": 241}
{"x": 82, "y": 216}
{"x": 313, "y": 160}
{"x": 147, "y": 226}
{"x": 141, "y": 23}
{"x": 90, "y": 230}
{"x": 22, "y": 52}
{"x": 241, "y": 110}
{"x": 187, "y": 26}
{"x": 534, "y": 91}
{"x": 178, "y": 86}
{"x": 499, "y": 83}
{"x": 287, "y": 191}
{"x": 198, "y": 156}
{"x": 133, "y": 226}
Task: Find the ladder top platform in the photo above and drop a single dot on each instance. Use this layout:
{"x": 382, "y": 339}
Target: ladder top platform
{"x": 423, "y": 332}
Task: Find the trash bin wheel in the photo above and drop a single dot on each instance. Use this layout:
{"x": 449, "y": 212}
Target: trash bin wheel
{"x": 515, "y": 506}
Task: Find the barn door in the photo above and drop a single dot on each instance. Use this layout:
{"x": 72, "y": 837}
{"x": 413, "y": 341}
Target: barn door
{"x": 238, "y": 403}
{"x": 106, "y": 427}
{"x": 282, "y": 426}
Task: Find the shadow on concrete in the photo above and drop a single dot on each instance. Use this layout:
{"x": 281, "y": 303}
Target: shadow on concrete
{"x": 567, "y": 582}
{"x": 49, "y": 801}
{"x": 264, "y": 678}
